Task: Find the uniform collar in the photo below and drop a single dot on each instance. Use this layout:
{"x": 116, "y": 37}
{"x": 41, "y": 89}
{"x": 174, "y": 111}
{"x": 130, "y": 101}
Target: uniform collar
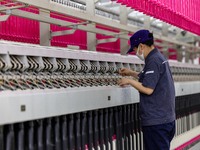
{"x": 155, "y": 50}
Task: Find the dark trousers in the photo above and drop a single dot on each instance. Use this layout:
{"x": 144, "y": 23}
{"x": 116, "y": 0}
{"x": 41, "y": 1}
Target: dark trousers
{"x": 158, "y": 137}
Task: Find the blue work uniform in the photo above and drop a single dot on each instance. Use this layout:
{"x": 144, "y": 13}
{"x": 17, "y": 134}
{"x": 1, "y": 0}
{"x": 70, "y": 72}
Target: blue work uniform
{"x": 157, "y": 111}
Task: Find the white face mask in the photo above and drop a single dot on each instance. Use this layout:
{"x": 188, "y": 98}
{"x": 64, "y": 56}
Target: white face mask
{"x": 140, "y": 56}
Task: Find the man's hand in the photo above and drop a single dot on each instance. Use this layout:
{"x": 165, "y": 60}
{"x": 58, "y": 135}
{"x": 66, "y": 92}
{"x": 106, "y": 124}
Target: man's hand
{"x": 124, "y": 81}
{"x": 125, "y": 72}
{"x": 128, "y": 72}
{"x": 137, "y": 85}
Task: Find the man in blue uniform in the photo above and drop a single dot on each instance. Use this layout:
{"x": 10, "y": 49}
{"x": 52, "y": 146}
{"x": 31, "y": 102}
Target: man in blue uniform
{"x": 157, "y": 93}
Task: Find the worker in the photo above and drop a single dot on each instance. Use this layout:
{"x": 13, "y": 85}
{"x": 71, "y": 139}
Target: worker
{"x": 157, "y": 93}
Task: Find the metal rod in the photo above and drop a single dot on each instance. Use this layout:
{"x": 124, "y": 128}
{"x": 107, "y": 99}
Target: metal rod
{"x": 4, "y": 8}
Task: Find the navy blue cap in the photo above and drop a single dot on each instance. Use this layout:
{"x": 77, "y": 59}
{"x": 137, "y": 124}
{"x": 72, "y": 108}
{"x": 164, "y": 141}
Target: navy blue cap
{"x": 138, "y": 37}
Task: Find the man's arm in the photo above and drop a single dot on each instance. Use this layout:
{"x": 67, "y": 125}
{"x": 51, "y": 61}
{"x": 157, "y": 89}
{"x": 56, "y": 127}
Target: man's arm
{"x": 128, "y": 72}
{"x": 137, "y": 85}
